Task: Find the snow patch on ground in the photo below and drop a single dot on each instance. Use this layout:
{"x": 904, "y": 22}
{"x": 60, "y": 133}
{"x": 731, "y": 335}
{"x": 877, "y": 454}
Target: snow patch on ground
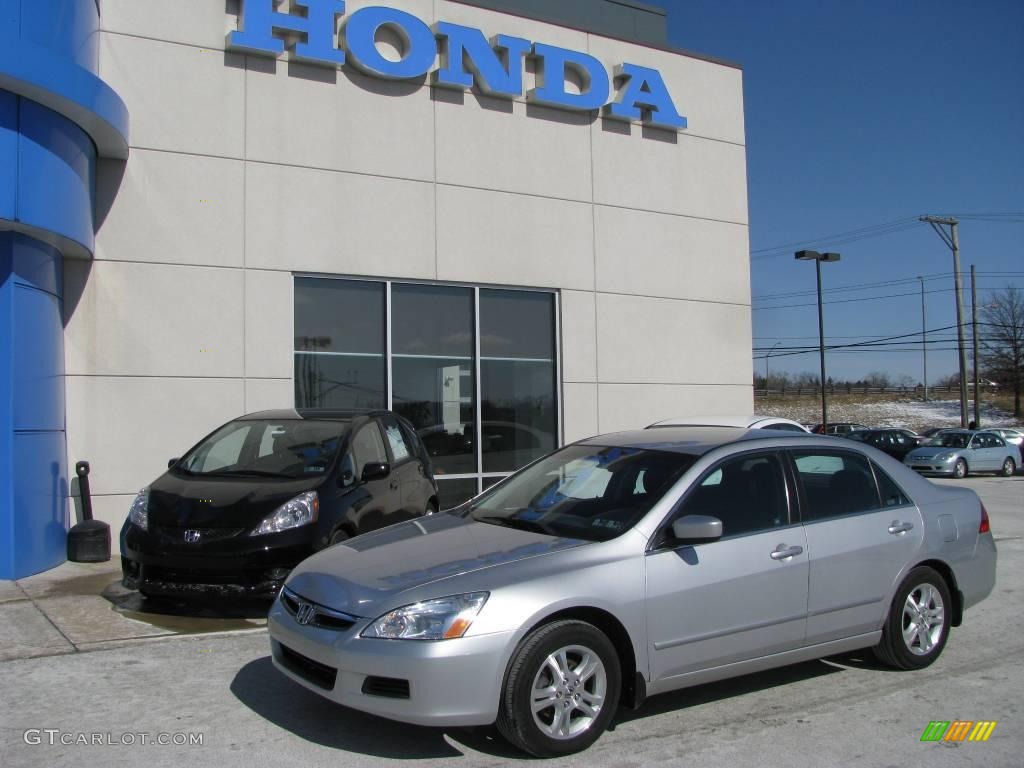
{"x": 910, "y": 414}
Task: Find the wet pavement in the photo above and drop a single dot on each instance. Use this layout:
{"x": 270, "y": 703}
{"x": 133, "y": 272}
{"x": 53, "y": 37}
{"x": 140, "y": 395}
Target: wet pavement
{"x": 82, "y": 606}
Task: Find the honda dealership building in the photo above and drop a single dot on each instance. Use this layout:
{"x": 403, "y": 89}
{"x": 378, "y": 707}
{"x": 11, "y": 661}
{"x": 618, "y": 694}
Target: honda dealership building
{"x": 515, "y": 223}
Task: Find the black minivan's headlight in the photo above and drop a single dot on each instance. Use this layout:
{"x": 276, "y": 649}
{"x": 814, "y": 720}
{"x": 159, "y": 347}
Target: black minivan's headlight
{"x": 302, "y": 510}
{"x": 139, "y": 512}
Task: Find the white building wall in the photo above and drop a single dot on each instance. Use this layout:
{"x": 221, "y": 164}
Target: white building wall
{"x": 244, "y": 171}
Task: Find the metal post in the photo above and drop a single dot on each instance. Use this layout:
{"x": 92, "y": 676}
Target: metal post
{"x": 821, "y": 350}
{"x": 924, "y": 342}
{"x": 974, "y": 331}
{"x": 766, "y": 359}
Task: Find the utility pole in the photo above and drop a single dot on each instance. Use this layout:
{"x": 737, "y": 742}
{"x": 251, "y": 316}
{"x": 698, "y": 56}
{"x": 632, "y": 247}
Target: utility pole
{"x": 974, "y": 326}
{"x": 952, "y": 240}
{"x": 766, "y": 359}
{"x": 924, "y": 342}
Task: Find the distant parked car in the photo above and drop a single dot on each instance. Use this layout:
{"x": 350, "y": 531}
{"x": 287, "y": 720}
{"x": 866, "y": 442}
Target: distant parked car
{"x": 932, "y": 431}
{"x": 263, "y": 492}
{"x": 740, "y": 422}
{"x": 896, "y": 442}
{"x": 957, "y": 452}
{"x": 838, "y": 428}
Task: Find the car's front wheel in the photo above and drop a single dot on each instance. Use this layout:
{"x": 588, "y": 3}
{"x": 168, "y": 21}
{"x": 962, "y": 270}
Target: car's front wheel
{"x": 960, "y": 469}
{"x": 1009, "y": 467}
{"x": 917, "y": 627}
{"x": 561, "y": 689}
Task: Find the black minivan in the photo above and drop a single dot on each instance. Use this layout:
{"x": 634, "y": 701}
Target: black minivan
{"x": 257, "y": 496}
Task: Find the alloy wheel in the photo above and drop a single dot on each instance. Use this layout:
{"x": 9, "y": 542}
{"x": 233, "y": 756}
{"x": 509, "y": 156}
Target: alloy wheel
{"x": 923, "y": 619}
{"x": 568, "y": 692}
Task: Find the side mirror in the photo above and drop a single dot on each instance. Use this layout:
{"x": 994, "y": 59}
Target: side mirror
{"x": 697, "y": 528}
{"x": 171, "y": 463}
{"x": 375, "y": 470}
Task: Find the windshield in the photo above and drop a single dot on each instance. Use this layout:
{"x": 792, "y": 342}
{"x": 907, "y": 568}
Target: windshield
{"x": 583, "y": 491}
{"x": 287, "y": 449}
{"x": 949, "y": 441}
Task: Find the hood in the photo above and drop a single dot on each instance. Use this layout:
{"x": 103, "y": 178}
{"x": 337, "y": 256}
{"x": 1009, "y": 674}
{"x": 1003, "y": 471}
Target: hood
{"x": 176, "y": 501}
{"x": 928, "y": 452}
{"x": 359, "y": 576}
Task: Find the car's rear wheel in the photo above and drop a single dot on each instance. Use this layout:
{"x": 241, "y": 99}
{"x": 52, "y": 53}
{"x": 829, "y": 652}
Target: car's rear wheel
{"x": 917, "y": 626}
{"x": 960, "y": 469}
{"x": 1009, "y": 467}
{"x": 561, "y": 689}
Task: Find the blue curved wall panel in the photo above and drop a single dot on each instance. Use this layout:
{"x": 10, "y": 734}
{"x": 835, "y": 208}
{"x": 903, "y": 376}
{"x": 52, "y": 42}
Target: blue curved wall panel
{"x": 56, "y": 118}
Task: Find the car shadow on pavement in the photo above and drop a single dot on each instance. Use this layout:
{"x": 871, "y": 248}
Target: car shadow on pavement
{"x": 726, "y": 689}
{"x": 288, "y": 705}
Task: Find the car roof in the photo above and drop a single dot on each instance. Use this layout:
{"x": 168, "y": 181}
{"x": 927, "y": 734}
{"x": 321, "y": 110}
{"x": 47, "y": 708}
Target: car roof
{"x": 311, "y": 414}
{"x": 742, "y": 421}
{"x": 698, "y": 440}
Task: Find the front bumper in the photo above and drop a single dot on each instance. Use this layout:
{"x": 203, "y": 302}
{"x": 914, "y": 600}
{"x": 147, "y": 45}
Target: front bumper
{"x": 930, "y": 467}
{"x": 433, "y": 683}
{"x": 159, "y": 564}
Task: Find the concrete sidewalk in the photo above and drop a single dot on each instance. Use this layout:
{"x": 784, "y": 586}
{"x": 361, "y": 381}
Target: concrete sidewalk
{"x": 82, "y": 606}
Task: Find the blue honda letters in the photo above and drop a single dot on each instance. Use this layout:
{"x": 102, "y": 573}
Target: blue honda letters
{"x": 467, "y": 58}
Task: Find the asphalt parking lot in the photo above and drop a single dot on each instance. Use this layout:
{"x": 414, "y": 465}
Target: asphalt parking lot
{"x": 174, "y": 678}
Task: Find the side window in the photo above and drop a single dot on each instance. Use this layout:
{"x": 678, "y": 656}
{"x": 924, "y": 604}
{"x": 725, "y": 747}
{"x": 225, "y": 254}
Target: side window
{"x": 995, "y": 442}
{"x": 400, "y": 449}
{"x": 835, "y": 484}
{"x": 784, "y": 427}
{"x": 892, "y": 495}
{"x": 747, "y": 493}
{"x": 368, "y": 446}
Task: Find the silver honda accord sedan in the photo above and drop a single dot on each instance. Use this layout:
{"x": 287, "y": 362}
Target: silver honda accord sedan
{"x": 630, "y": 564}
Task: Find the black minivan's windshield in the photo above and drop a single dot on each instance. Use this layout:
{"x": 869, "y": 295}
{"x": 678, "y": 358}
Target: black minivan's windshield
{"x": 286, "y": 448}
{"x": 587, "y": 492}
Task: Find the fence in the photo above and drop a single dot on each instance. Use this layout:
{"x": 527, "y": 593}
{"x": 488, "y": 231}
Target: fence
{"x": 864, "y": 389}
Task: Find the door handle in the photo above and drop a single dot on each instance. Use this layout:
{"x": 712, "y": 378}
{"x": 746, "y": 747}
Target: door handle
{"x": 896, "y": 527}
{"x": 782, "y": 552}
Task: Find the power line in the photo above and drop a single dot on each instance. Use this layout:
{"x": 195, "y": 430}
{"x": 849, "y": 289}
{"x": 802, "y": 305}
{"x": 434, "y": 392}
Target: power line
{"x": 868, "y": 298}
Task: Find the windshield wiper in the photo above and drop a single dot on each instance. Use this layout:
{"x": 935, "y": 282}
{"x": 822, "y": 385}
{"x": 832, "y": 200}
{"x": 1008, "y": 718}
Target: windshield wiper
{"x": 514, "y": 522}
{"x": 243, "y": 473}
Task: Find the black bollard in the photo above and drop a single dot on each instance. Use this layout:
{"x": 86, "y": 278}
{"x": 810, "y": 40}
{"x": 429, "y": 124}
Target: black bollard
{"x": 89, "y": 541}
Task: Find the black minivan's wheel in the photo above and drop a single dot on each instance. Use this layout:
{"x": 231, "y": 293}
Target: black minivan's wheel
{"x": 561, "y": 689}
{"x": 917, "y": 627}
{"x": 337, "y": 537}
{"x": 1009, "y": 467}
{"x": 960, "y": 469}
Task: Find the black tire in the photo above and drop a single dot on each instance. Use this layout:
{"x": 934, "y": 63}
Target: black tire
{"x": 1009, "y": 467}
{"x": 516, "y": 719}
{"x": 960, "y": 469}
{"x": 929, "y": 590}
{"x": 337, "y": 537}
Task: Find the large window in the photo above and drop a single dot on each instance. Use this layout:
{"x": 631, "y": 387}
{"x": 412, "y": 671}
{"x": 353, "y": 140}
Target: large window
{"x": 473, "y": 369}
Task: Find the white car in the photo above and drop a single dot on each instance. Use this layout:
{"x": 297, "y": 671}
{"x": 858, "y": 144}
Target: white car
{"x": 752, "y": 421}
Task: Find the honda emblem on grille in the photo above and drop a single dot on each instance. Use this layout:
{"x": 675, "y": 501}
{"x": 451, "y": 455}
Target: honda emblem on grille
{"x": 305, "y": 613}
{"x": 192, "y": 536}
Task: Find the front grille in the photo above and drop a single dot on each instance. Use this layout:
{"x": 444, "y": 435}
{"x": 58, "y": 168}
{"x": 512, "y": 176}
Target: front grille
{"x": 156, "y": 573}
{"x": 206, "y": 535}
{"x": 325, "y": 618}
{"x": 387, "y": 687}
{"x": 320, "y": 675}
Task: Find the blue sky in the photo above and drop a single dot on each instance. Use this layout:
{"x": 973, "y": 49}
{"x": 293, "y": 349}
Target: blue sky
{"x": 861, "y": 114}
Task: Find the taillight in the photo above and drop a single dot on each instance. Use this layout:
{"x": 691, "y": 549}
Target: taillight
{"x": 984, "y": 527}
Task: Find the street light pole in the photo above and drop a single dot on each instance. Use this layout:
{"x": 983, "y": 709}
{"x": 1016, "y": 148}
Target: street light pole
{"x": 817, "y": 258}
{"x": 974, "y": 332}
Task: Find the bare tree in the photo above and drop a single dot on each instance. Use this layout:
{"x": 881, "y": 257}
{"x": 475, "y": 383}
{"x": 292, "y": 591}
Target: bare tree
{"x": 1003, "y": 344}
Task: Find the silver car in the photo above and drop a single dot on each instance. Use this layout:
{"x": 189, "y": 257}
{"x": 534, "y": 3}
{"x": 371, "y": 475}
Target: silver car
{"x": 956, "y": 452}
{"x": 632, "y": 564}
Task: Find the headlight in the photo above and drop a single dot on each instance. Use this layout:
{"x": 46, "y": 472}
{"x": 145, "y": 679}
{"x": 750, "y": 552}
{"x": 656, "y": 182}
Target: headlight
{"x": 943, "y": 456}
{"x": 443, "y": 619}
{"x": 139, "y": 512}
{"x": 302, "y": 510}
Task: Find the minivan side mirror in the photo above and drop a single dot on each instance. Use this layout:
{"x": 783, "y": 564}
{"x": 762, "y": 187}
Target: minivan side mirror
{"x": 171, "y": 462}
{"x": 375, "y": 470}
{"x": 697, "y": 528}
